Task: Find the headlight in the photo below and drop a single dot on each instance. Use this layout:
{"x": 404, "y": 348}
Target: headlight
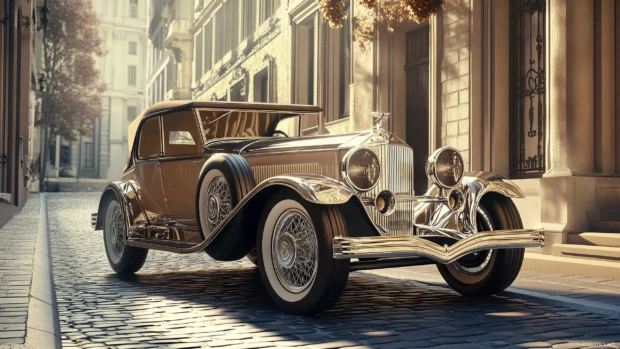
{"x": 361, "y": 168}
{"x": 445, "y": 167}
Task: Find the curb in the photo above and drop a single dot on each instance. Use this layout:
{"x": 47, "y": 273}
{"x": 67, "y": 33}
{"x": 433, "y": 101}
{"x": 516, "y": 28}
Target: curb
{"x": 604, "y": 309}
{"x": 43, "y": 326}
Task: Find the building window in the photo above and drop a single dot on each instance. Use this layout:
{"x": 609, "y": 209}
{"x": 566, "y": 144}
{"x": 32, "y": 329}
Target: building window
{"x": 267, "y": 7}
{"x": 345, "y": 67}
{"x": 230, "y": 23}
{"x": 89, "y": 155}
{"x": 249, "y": 18}
{"x": 133, "y": 8}
{"x": 132, "y": 112}
{"x": 131, "y": 75}
{"x": 65, "y": 155}
{"x": 528, "y": 118}
{"x": 198, "y": 59}
{"x": 220, "y": 29}
{"x": 133, "y": 48}
{"x": 261, "y": 86}
{"x": 305, "y": 66}
{"x": 208, "y": 47}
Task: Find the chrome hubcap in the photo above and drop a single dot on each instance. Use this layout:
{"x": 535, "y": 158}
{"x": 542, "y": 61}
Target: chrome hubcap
{"x": 219, "y": 202}
{"x": 116, "y": 233}
{"x": 295, "y": 250}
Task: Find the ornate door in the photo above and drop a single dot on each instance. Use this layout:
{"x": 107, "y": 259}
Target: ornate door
{"x": 417, "y": 133}
{"x": 527, "y": 88}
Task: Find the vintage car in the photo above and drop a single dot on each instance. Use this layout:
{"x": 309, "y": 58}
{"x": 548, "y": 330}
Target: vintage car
{"x": 245, "y": 179}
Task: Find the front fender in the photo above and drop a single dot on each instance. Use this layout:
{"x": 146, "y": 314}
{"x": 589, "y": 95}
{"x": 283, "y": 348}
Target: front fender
{"x": 475, "y": 186}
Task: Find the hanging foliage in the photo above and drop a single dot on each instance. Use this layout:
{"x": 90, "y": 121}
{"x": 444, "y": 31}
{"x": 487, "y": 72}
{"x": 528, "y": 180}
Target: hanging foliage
{"x": 388, "y": 13}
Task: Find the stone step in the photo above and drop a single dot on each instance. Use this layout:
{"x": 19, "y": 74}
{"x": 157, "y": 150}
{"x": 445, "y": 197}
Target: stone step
{"x": 603, "y": 269}
{"x": 587, "y": 252}
{"x": 603, "y": 225}
{"x": 594, "y": 239}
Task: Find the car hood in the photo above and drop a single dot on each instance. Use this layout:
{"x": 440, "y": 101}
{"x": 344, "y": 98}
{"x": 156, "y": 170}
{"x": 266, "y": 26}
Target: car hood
{"x": 280, "y": 145}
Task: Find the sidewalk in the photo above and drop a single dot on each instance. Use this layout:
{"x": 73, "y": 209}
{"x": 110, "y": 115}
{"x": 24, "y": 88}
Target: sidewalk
{"x": 27, "y": 302}
{"x": 599, "y": 296}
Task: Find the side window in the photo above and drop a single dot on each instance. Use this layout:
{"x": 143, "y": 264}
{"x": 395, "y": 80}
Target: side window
{"x": 181, "y": 134}
{"x": 150, "y": 139}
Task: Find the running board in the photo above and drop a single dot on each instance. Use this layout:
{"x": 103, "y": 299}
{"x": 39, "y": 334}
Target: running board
{"x": 415, "y": 246}
{"x": 162, "y": 245}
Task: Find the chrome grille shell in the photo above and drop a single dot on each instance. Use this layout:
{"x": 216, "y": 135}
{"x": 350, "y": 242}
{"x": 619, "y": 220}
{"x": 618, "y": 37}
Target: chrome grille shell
{"x": 397, "y": 177}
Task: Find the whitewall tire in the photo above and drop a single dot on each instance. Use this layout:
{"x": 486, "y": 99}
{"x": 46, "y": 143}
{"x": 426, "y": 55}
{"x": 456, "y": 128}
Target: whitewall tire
{"x": 295, "y": 257}
{"x": 125, "y": 260}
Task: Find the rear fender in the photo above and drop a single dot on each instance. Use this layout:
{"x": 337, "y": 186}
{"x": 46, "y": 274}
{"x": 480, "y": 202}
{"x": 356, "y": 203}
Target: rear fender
{"x": 125, "y": 192}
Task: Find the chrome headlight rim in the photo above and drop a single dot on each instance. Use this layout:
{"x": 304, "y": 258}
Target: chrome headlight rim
{"x": 345, "y": 168}
{"x": 431, "y": 167}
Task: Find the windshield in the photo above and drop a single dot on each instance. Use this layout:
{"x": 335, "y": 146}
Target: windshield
{"x": 241, "y": 124}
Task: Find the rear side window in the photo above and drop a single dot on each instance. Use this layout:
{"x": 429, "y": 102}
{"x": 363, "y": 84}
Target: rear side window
{"x": 181, "y": 134}
{"x": 150, "y": 139}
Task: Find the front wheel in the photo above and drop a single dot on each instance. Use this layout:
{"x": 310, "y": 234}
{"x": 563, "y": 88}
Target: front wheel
{"x": 488, "y": 272}
{"x": 295, "y": 256}
{"x": 125, "y": 260}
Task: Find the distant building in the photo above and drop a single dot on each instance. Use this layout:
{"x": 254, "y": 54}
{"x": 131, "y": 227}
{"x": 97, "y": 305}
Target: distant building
{"x": 95, "y": 160}
{"x": 169, "y": 59}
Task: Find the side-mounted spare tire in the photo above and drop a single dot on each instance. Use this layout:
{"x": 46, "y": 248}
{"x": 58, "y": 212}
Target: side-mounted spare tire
{"x": 225, "y": 180}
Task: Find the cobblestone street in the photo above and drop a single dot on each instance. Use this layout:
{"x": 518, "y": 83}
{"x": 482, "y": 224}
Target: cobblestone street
{"x": 191, "y": 301}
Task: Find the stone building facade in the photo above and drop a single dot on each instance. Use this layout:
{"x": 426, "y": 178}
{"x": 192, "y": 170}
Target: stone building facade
{"x": 169, "y": 50}
{"x": 18, "y": 86}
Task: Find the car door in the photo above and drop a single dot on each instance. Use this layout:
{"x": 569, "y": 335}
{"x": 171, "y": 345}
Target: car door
{"x": 148, "y": 173}
{"x": 181, "y": 162}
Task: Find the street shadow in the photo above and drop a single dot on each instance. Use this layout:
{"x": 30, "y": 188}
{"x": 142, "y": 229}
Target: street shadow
{"x": 373, "y": 310}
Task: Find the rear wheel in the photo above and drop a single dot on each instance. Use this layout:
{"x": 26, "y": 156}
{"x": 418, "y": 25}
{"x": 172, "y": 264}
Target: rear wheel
{"x": 488, "y": 272}
{"x": 295, "y": 256}
{"x": 227, "y": 181}
{"x": 125, "y": 260}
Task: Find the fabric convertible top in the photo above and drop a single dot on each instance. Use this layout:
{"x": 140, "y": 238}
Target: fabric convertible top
{"x": 216, "y": 105}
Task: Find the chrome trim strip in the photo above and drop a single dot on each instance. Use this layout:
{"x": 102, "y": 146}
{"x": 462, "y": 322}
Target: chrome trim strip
{"x": 415, "y": 246}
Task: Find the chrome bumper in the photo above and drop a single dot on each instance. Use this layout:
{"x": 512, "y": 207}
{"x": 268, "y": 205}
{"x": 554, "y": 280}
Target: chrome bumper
{"x": 415, "y": 246}
{"x": 93, "y": 220}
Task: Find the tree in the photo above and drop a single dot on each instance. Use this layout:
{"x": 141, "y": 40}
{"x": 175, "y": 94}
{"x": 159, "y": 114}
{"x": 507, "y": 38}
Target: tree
{"x": 389, "y": 13}
{"x": 71, "y": 101}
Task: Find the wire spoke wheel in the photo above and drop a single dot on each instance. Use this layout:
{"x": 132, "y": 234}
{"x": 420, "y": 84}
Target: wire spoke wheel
{"x": 115, "y": 234}
{"x": 295, "y": 251}
{"x": 219, "y": 202}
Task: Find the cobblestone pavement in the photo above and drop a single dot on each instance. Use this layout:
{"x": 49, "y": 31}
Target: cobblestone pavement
{"x": 190, "y": 301}
{"x": 17, "y": 244}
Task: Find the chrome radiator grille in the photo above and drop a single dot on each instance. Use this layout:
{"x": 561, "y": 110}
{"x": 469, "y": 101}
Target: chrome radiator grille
{"x": 396, "y": 176}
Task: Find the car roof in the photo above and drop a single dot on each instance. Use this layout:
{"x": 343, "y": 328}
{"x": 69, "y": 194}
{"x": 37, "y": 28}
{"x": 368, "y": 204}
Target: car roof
{"x": 170, "y": 106}
{"x": 181, "y": 104}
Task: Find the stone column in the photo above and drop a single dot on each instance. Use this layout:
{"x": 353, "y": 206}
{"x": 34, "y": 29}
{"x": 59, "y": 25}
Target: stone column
{"x": 571, "y": 88}
{"x": 580, "y": 86}
{"x": 605, "y": 89}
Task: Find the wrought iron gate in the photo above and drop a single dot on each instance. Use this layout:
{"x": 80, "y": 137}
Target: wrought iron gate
{"x": 527, "y": 88}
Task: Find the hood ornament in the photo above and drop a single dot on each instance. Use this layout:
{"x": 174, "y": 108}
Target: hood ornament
{"x": 379, "y": 120}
